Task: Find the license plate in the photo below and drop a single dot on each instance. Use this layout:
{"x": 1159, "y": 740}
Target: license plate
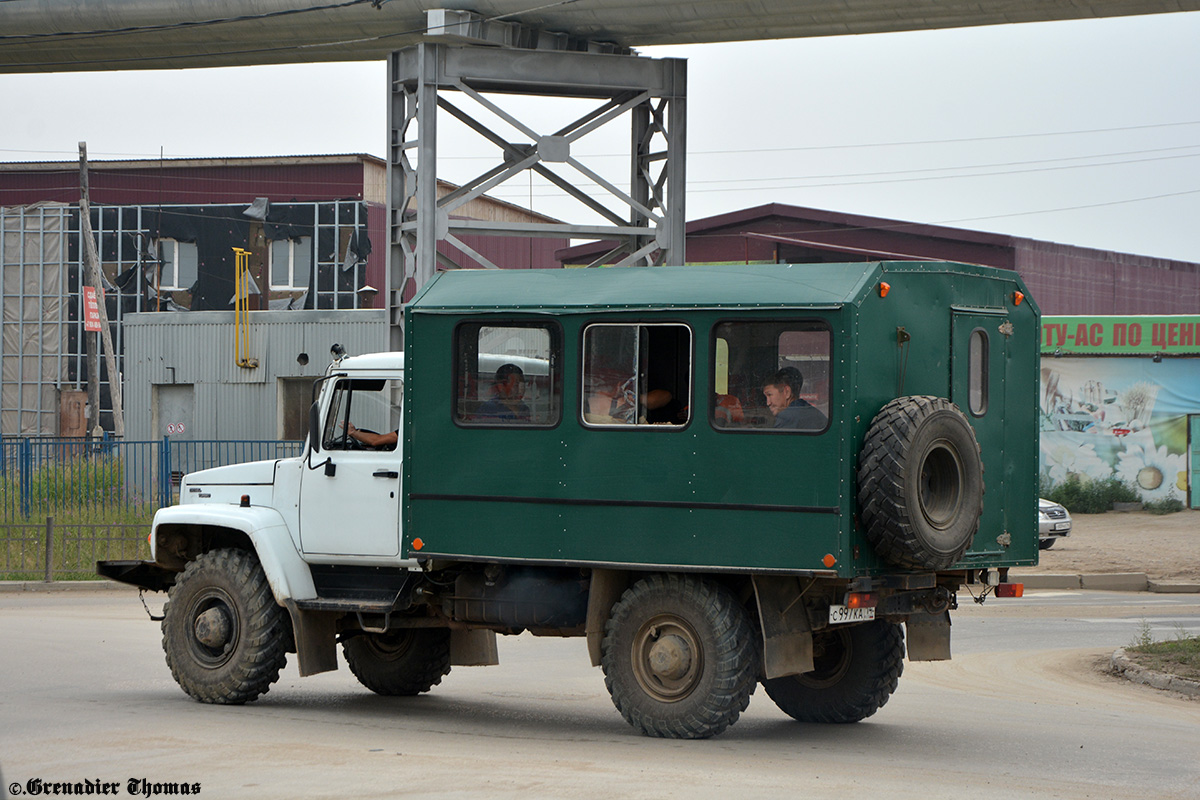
{"x": 1062, "y": 526}
{"x": 840, "y": 614}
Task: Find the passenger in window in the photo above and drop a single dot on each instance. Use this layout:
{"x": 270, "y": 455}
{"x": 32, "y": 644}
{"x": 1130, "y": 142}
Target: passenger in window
{"x": 508, "y": 401}
{"x": 619, "y": 405}
{"x": 782, "y": 391}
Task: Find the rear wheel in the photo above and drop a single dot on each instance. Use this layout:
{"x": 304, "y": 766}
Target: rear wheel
{"x": 224, "y": 635}
{"x": 679, "y": 657}
{"x": 404, "y": 662}
{"x": 857, "y": 669}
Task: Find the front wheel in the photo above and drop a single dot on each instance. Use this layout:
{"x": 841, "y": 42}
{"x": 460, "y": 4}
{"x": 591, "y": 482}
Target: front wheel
{"x": 679, "y": 657}
{"x": 857, "y": 668}
{"x": 224, "y": 635}
{"x": 404, "y": 662}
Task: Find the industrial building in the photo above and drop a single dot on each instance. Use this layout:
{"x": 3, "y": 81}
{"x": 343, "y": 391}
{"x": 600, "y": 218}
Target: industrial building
{"x": 313, "y": 229}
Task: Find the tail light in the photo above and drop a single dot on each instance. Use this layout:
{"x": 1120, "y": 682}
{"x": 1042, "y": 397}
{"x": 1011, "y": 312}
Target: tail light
{"x": 862, "y": 600}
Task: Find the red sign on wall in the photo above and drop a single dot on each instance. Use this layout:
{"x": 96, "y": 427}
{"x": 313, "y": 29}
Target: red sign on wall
{"x": 91, "y": 310}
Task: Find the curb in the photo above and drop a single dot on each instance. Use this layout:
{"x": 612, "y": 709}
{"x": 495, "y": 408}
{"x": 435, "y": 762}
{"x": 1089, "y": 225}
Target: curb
{"x": 1110, "y": 582}
{"x": 1122, "y": 666}
{"x": 8, "y": 587}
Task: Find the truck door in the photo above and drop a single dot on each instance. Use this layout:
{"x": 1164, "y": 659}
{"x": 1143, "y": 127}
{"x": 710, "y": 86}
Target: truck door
{"x": 352, "y": 507}
{"x": 978, "y": 352}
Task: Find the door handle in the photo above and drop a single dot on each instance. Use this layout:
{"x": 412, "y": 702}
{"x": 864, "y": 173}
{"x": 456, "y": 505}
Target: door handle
{"x": 385, "y": 473}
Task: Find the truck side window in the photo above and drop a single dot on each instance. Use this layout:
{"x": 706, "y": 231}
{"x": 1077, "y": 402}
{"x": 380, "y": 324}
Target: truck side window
{"x": 507, "y": 375}
{"x": 977, "y": 371}
{"x": 635, "y": 375}
{"x": 369, "y": 404}
{"x": 771, "y": 376}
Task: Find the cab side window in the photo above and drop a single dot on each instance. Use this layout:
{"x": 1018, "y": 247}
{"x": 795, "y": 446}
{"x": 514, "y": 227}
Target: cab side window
{"x": 368, "y": 404}
{"x": 507, "y": 375}
{"x": 636, "y": 375}
{"x": 771, "y": 376}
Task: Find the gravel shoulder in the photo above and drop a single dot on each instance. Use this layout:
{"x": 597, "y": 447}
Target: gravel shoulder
{"x": 1163, "y": 547}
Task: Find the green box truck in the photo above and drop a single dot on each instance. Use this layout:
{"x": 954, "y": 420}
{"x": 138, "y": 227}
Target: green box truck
{"x": 719, "y": 476}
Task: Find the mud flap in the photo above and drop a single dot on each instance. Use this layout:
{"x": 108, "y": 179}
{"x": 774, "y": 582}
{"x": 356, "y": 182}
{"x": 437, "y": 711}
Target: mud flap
{"x": 473, "y": 648}
{"x": 929, "y": 637}
{"x": 606, "y": 589}
{"x": 315, "y": 635}
{"x": 787, "y": 632}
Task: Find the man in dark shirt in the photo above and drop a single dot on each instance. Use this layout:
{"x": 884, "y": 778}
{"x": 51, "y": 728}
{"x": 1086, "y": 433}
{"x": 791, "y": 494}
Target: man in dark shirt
{"x": 507, "y": 404}
{"x": 782, "y": 391}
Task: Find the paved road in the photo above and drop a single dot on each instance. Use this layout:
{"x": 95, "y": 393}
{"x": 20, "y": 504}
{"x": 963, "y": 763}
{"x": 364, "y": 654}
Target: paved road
{"x": 1020, "y": 712}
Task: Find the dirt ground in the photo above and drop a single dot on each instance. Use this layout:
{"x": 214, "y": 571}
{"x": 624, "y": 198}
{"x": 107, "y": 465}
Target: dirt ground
{"x": 1164, "y": 547}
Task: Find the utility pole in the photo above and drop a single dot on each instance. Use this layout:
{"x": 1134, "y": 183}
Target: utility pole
{"x": 91, "y": 262}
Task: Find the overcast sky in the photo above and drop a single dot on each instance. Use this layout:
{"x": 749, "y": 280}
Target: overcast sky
{"x": 1085, "y": 132}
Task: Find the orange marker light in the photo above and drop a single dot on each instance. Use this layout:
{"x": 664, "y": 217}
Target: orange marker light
{"x": 862, "y": 600}
{"x": 829, "y": 560}
{"x": 1017, "y": 298}
{"x": 884, "y": 288}
{"x": 418, "y": 544}
{"x": 1010, "y": 590}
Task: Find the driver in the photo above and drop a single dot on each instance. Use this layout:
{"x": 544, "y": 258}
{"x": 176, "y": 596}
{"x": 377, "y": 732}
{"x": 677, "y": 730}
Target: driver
{"x": 384, "y": 441}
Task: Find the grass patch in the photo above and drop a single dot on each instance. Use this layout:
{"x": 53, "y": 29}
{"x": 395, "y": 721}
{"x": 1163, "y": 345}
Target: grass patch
{"x": 1091, "y": 496}
{"x": 80, "y": 539}
{"x": 1168, "y": 505}
{"x": 1179, "y": 656}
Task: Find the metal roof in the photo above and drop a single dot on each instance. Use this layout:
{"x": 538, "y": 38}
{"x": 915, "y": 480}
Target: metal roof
{"x": 642, "y": 288}
{"x": 67, "y": 35}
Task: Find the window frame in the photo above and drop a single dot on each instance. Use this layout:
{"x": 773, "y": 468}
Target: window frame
{"x": 346, "y": 386}
{"x": 293, "y": 245}
{"x": 636, "y": 426}
{"x": 978, "y": 369}
{"x": 820, "y": 323}
{"x": 556, "y": 381}
{"x": 174, "y": 247}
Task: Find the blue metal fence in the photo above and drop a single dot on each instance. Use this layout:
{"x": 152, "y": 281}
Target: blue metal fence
{"x": 42, "y": 475}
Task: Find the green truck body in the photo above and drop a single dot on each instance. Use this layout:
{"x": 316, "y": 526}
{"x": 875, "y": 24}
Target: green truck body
{"x": 721, "y": 476}
{"x": 697, "y": 496}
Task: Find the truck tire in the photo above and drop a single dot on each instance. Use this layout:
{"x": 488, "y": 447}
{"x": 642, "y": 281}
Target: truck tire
{"x": 920, "y": 483}
{"x": 679, "y": 657}
{"x": 857, "y": 669}
{"x": 404, "y": 662}
{"x": 224, "y": 635}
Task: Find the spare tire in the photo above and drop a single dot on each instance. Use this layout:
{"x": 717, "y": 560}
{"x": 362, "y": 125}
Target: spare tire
{"x": 920, "y": 483}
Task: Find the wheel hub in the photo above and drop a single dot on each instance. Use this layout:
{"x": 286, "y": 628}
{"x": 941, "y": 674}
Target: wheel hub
{"x": 670, "y": 657}
{"x": 668, "y": 660}
{"x": 213, "y": 628}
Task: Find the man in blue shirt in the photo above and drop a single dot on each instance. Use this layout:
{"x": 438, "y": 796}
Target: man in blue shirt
{"x": 782, "y": 391}
{"x": 507, "y": 404}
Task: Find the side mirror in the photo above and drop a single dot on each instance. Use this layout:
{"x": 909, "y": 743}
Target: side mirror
{"x": 314, "y": 427}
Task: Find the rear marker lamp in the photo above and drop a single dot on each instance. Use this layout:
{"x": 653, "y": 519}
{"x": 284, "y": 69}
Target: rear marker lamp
{"x": 861, "y": 600}
{"x": 1010, "y": 590}
{"x": 884, "y": 288}
{"x": 1017, "y": 298}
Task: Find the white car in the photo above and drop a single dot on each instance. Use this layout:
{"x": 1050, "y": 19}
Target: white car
{"x": 1053, "y": 521}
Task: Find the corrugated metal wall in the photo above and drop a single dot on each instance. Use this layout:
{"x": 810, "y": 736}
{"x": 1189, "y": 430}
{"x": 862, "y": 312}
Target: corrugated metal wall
{"x": 232, "y": 402}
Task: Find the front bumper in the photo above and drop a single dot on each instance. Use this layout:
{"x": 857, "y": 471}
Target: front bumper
{"x": 142, "y": 574}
